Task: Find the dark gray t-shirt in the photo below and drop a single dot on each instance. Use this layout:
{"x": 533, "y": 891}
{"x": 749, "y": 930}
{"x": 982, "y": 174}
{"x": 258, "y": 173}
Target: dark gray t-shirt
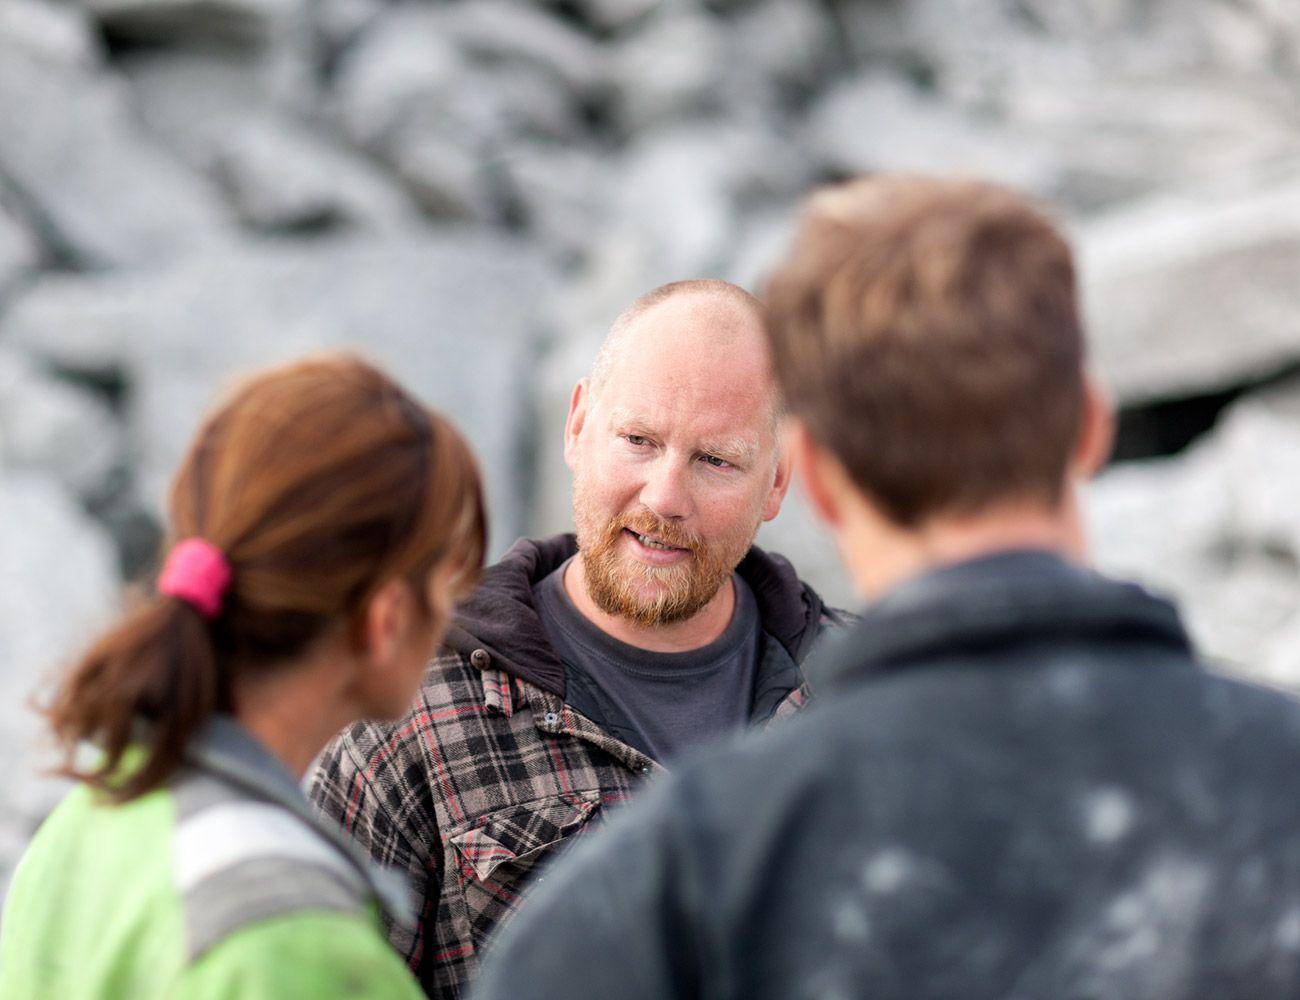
{"x": 660, "y": 703}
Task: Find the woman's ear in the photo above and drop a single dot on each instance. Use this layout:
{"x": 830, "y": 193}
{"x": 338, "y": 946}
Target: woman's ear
{"x": 385, "y": 621}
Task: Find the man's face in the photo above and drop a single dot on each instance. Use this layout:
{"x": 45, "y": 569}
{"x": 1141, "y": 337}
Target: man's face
{"x": 674, "y": 460}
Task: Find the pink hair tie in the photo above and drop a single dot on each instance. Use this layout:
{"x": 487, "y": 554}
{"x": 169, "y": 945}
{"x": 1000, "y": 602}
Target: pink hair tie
{"x": 198, "y": 572}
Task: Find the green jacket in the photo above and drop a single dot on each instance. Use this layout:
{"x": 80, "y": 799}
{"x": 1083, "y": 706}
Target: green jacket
{"x": 220, "y": 885}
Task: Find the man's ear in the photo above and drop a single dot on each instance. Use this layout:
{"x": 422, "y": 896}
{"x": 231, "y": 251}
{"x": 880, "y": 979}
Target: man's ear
{"x": 1096, "y": 431}
{"x": 818, "y": 472}
{"x": 781, "y": 481}
{"x": 577, "y": 418}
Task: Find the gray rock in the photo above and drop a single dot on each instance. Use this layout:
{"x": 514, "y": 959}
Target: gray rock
{"x": 58, "y": 588}
{"x": 873, "y": 122}
{"x": 102, "y": 192}
{"x": 278, "y": 175}
{"x": 232, "y": 116}
{"x": 508, "y": 31}
{"x": 1165, "y": 280}
{"x": 51, "y": 32}
{"x": 786, "y": 42}
{"x": 677, "y": 64}
{"x": 185, "y": 96}
{"x": 245, "y": 22}
{"x": 338, "y": 23}
{"x": 1215, "y": 528}
{"x": 441, "y": 118}
{"x": 52, "y": 427}
{"x": 20, "y": 251}
{"x": 564, "y": 194}
{"x": 611, "y": 16}
{"x": 454, "y": 315}
{"x": 1128, "y": 137}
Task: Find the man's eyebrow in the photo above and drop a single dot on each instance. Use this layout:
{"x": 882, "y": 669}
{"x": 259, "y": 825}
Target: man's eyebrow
{"x": 737, "y": 450}
{"x": 620, "y": 416}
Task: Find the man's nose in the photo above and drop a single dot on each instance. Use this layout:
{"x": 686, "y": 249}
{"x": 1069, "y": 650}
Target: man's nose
{"x": 666, "y": 491}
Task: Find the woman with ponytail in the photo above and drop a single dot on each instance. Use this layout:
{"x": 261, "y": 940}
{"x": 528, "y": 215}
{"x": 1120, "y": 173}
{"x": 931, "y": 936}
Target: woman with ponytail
{"x": 323, "y": 524}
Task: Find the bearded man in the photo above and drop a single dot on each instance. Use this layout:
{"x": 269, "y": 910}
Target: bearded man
{"x": 584, "y": 664}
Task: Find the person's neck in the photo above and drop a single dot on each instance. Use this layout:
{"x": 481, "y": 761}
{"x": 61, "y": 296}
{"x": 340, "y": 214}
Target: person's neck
{"x": 695, "y": 632}
{"x": 295, "y": 711}
{"x": 880, "y": 556}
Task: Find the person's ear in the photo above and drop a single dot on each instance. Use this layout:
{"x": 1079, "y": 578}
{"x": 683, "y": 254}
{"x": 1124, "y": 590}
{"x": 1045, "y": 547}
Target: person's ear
{"x": 385, "y": 621}
{"x": 817, "y": 472}
{"x": 577, "y": 418}
{"x": 781, "y": 481}
{"x": 1096, "y": 431}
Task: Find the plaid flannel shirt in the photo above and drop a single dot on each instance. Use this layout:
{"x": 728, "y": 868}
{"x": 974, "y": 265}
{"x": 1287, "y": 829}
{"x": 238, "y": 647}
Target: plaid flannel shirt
{"x": 477, "y": 787}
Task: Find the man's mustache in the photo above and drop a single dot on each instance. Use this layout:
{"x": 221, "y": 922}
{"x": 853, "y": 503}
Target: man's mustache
{"x": 648, "y": 523}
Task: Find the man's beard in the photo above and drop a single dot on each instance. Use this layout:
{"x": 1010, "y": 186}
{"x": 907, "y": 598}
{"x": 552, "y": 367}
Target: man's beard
{"x": 654, "y": 595}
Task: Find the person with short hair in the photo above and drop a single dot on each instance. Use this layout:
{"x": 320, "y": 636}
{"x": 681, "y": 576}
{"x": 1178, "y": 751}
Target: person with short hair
{"x": 1016, "y": 779}
{"x": 322, "y": 525}
{"x": 584, "y": 664}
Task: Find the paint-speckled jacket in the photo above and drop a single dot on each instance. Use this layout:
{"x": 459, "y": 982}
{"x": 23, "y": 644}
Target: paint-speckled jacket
{"x": 1015, "y": 781}
{"x": 492, "y": 773}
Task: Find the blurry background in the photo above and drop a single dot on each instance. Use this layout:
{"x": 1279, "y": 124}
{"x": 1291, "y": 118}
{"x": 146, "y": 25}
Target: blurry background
{"x": 470, "y": 191}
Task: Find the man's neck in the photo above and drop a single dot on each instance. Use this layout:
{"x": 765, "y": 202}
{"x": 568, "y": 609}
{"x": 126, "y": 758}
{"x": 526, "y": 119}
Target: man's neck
{"x": 702, "y": 628}
{"x": 880, "y": 557}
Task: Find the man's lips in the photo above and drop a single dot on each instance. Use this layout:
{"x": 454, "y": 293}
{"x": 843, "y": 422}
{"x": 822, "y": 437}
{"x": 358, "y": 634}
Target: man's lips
{"x": 654, "y": 551}
{"x": 653, "y": 542}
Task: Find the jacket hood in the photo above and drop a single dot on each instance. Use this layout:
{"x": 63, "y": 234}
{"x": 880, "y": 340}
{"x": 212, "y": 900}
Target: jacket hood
{"x": 998, "y": 602}
{"x": 499, "y": 617}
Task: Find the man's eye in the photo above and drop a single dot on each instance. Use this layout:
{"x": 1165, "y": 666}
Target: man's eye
{"x": 716, "y": 462}
{"x": 636, "y": 440}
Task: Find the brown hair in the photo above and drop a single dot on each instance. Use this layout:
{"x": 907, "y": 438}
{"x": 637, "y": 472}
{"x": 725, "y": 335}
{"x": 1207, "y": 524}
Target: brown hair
{"x": 927, "y": 333}
{"x": 320, "y": 481}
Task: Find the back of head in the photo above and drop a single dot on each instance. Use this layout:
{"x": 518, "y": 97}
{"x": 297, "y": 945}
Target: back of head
{"x": 927, "y": 333}
{"x": 318, "y": 481}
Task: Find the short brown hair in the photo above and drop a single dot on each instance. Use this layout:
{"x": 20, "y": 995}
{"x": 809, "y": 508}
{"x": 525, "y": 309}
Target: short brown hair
{"x": 927, "y": 332}
{"x": 319, "y": 481}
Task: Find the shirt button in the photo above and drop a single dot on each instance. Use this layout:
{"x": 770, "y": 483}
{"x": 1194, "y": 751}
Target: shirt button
{"x": 480, "y": 658}
{"x": 645, "y": 769}
{"x": 550, "y": 718}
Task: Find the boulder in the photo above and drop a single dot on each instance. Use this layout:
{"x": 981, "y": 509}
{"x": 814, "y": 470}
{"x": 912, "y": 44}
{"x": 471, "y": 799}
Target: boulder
{"x": 280, "y": 176}
{"x": 562, "y": 194}
{"x": 52, "y": 427}
{"x": 1121, "y": 138}
{"x": 1214, "y": 528}
{"x": 786, "y": 43}
{"x": 876, "y": 122}
{"x": 441, "y": 117}
{"x": 20, "y": 251}
{"x": 675, "y": 65}
{"x": 102, "y": 192}
{"x": 455, "y": 315}
{"x": 1192, "y": 295}
{"x": 58, "y": 589}
{"x": 239, "y": 22}
{"x": 51, "y": 32}
{"x": 610, "y": 17}
{"x": 510, "y": 31}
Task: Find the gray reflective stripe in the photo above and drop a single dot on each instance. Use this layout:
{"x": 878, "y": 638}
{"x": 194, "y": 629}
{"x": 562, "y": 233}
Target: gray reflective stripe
{"x": 225, "y": 835}
{"x": 257, "y": 890}
{"x": 237, "y": 862}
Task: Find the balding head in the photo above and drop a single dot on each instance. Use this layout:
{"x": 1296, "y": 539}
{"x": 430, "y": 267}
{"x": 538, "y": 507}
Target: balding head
{"x": 722, "y": 316}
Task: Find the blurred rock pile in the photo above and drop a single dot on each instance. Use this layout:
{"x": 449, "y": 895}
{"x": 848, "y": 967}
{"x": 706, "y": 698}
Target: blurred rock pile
{"x": 470, "y": 190}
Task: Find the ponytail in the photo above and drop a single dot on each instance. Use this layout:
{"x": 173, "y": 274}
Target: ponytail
{"x": 358, "y": 484}
{"x": 151, "y": 682}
